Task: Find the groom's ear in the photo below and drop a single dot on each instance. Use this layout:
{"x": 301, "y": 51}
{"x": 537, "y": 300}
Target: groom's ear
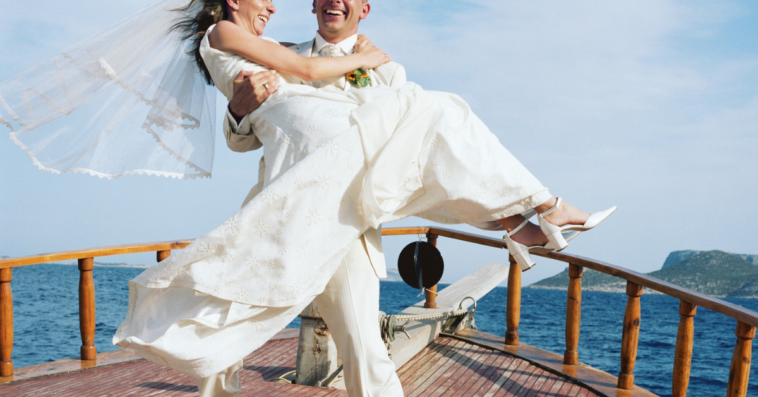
{"x": 365, "y": 10}
{"x": 314, "y": 7}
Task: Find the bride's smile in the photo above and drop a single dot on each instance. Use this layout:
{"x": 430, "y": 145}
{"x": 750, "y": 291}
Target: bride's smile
{"x": 254, "y": 14}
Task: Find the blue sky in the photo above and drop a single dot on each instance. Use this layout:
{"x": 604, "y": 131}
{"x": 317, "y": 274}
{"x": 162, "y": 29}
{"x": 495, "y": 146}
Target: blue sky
{"x": 649, "y": 105}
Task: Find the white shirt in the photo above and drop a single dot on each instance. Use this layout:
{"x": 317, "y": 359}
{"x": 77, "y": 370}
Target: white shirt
{"x": 346, "y": 45}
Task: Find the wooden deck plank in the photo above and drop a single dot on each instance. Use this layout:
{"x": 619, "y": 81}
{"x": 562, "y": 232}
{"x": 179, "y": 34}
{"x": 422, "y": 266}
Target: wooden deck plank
{"x": 435, "y": 377}
{"x": 464, "y": 373}
{"x": 444, "y": 378}
{"x": 598, "y": 381}
{"x": 430, "y": 362}
{"x": 504, "y": 376}
{"x": 470, "y": 373}
{"x": 528, "y": 385}
{"x": 488, "y": 367}
{"x": 538, "y": 382}
{"x": 514, "y": 384}
{"x": 557, "y": 387}
{"x": 545, "y": 389}
{"x": 448, "y": 367}
{"x": 518, "y": 370}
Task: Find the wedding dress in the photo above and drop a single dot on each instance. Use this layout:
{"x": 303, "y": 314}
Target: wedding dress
{"x": 337, "y": 162}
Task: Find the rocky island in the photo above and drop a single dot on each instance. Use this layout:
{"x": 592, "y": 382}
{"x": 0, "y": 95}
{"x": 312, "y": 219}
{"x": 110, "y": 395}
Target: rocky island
{"x": 716, "y": 273}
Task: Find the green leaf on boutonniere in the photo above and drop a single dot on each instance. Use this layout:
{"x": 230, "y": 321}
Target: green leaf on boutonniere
{"x": 359, "y": 78}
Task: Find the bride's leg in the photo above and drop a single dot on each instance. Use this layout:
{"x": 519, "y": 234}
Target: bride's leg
{"x": 529, "y": 235}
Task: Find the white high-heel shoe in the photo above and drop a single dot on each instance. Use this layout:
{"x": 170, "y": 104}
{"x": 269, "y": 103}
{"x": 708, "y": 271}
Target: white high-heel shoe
{"x": 520, "y": 252}
{"x": 555, "y": 233}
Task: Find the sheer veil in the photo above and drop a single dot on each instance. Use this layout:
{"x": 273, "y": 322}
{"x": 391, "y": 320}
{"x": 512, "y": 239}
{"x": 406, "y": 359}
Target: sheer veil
{"x": 127, "y": 101}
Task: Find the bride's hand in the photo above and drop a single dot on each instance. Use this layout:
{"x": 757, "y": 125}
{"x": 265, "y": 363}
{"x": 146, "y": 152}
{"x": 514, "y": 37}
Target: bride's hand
{"x": 374, "y": 57}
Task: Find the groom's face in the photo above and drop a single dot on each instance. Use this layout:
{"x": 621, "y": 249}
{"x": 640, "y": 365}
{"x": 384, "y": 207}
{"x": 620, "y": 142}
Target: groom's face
{"x": 338, "y": 19}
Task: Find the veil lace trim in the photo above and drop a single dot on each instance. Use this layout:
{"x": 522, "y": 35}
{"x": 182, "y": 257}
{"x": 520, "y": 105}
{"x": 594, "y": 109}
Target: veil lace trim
{"x": 128, "y": 101}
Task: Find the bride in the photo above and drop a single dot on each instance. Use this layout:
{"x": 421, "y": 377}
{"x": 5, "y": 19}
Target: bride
{"x": 338, "y": 163}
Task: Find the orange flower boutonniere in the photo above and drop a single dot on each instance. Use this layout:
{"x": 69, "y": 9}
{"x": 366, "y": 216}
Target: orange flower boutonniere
{"x": 359, "y": 78}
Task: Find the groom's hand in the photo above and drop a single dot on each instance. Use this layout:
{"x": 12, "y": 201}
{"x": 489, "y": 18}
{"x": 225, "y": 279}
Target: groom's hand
{"x": 251, "y": 90}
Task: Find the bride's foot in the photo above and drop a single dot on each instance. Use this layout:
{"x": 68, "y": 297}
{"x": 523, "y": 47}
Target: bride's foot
{"x": 556, "y": 217}
{"x": 530, "y": 235}
{"x": 565, "y": 214}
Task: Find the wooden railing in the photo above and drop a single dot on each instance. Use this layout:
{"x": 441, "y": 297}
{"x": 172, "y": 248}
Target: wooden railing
{"x": 86, "y": 258}
{"x": 746, "y": 320}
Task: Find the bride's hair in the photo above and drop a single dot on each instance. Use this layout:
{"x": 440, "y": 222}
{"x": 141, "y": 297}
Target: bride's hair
{"x": 200, "y": 15}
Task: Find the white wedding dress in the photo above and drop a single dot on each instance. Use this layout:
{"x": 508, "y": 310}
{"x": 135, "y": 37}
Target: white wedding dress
{"x": 337, "y": 163}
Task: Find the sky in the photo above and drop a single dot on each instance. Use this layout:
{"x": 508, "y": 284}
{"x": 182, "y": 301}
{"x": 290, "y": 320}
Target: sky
{"x": 649, "y": 105}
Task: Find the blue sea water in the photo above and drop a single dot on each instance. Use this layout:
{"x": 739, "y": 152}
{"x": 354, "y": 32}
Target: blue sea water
{"x": 46, "y": 319}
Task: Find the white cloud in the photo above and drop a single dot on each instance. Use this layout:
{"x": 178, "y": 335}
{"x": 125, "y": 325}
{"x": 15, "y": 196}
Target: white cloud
{"x": 619, "y": 102}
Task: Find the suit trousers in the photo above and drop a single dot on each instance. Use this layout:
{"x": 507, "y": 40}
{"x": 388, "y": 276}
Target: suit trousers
{"x": 349, "y": 306}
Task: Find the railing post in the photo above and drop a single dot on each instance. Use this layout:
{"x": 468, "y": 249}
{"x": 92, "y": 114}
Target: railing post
{"x": 87, "y": 308}
{"x": 683, "y": 352}
{"x": 431, "y": 293}
{"x": 573, "y": 315}
{"x": 739, "y": 372}
{"x": 630, "y": 335}
{"x": 513, "y": 309}
{"x": 6, "y": 322}
{"x": 163, "y": 255}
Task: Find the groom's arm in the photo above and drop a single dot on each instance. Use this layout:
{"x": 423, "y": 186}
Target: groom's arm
{"x": 249, "y": 94}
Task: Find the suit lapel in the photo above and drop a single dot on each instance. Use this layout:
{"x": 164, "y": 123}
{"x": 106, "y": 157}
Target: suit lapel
{"x": 305, "y": 49}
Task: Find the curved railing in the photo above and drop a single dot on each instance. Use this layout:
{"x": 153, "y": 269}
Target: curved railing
{"x": 747, "y": 320}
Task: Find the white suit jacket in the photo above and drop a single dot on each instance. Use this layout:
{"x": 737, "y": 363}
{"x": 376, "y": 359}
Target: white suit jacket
{"x": 241, "y": 138}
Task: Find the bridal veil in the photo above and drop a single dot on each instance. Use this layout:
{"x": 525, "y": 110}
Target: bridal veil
{"x": 127, "y": 101}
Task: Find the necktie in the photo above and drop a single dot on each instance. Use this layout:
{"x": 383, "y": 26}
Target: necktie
{"x": 331, "y": 50}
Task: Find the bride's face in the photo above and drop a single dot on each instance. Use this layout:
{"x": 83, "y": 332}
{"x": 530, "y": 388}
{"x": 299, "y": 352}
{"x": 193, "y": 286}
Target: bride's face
{"x": 255, "y": 12}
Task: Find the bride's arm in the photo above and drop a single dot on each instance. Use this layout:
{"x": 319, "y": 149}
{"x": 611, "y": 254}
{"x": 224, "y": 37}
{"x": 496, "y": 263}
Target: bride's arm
{"x": 231, "y": 38}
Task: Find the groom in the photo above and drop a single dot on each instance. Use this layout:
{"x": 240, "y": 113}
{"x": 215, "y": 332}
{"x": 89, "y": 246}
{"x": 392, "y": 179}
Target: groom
{"x": 350, "y": 302}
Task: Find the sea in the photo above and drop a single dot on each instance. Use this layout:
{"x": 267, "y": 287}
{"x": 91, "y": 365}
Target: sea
{"x": 46, "y": 323}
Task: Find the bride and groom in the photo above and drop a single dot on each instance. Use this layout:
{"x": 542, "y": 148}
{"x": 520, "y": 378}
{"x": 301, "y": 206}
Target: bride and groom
{"x": 352, "y": 292}
{"x": 339, "y": 162}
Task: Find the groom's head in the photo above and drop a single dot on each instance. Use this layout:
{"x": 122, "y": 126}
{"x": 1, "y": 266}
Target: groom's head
{"x": 338, "y": 19}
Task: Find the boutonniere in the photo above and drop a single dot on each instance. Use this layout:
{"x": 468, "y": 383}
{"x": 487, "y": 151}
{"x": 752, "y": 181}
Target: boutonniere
{"x": 359, "y": 78}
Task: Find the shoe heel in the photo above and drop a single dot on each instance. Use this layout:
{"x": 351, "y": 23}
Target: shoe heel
{"x": 553, "y": 234}
{"x": 520, "y": 254}
{"x": 524, "y": 260}
{"x": 557, "y": 240}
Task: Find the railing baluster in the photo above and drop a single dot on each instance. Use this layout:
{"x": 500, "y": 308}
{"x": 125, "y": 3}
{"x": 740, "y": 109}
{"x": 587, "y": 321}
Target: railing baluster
{"x": 162, "y": 255}
{"x": 630, "y": 335}
{"x": 6, "y": 322}
{"x": 431, "y": 293}
{"x": 683, "y": 353}
{"x": 87, "y": 308}
{"x": 573, "y": 315}
{"x": 513, "y": 309}
{"x": 739, "y": 372}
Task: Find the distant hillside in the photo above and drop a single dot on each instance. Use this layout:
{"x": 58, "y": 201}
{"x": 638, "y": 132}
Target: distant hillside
{"x": 715, "y": 273}
{"x": 680, "y": 256}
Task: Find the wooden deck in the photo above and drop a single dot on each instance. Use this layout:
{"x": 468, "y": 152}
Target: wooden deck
{"x": 447, "y": 367}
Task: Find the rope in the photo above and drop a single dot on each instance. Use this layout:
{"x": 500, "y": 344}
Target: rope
{"x": 388, "y": 324}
